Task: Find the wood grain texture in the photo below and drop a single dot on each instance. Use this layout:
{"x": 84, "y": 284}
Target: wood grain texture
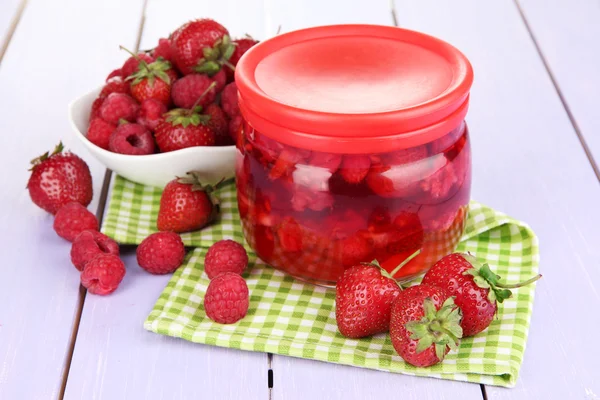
{"x": 292, "y": 375}
{"x": 45, "y": 67}
{"x": 114, "y": 356}
{"x": 528, "y": 162}
{"x": 9, "y": 12}
{"x": 567, "y": 34}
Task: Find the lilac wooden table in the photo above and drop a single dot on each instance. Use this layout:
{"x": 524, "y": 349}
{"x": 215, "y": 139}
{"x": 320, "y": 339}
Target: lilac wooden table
{"x": 535, "y": 129}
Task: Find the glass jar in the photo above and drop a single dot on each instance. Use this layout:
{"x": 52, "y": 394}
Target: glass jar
{"x": 349, "y": 156}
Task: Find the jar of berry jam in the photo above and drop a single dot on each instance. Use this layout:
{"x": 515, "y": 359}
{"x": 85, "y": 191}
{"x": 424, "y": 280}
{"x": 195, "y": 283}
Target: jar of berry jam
{"x": 353, "y": 149}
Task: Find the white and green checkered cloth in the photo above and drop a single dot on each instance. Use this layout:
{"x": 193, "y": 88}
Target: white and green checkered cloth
{"x": 297, "y": 319}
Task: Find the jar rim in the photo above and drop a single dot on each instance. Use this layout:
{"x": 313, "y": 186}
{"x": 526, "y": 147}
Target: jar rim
{"x": 279, "y": 80}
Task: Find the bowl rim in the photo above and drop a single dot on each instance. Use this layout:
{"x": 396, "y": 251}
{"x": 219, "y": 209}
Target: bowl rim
{"x": 155, "y": 156}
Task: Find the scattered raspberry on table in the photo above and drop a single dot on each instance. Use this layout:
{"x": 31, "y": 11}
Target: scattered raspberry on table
{"x": 161, "y": 253}
{"x": 225, "y": 256}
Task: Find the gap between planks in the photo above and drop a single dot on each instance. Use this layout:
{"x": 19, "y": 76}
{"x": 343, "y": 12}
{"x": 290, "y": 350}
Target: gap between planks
{"x": 100, "y": 215}
{"x": 12, "y": 28}
{"x": 562, "y": 98}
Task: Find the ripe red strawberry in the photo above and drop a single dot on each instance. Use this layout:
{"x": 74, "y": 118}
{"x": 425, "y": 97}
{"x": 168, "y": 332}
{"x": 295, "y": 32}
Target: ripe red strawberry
{"x": 153, "y": 81}
{"x": 184, "y": 128}
{"x": 225, "y": 256}
{"x": 475, "y": 287}
{"x": 103, "y": 274}
{"x": 354, "y": 168}
{"x": 114, "y": 73}
{"x": 241, "y": 47}
{"x": 118, "y": 106}
{"x": 161, "y": 253}
{"x": 187, "y": 205}
{"x": 229, "y": 100}
{"x": 363, "y": 301}
{"x": 150, "y": 114}
{"x": 59, "y": 178}
{"x": 425, "y": 325}
{"x": 218, "y": 124}
{"x": 132, "y": 64}
{"x": 201, "y": 46}
{"x": 88, "y": 245}
{"x": 72, "y": 219}
{"x": 95, "y": 109}
{"x": 99, "y": 132}
{"x": 187, "y": 90}
{"x": 114, "y": 85}
{"x": 163, "y": 49}
{"x": 133, "y": 139}
{"x": 227, "y": 298}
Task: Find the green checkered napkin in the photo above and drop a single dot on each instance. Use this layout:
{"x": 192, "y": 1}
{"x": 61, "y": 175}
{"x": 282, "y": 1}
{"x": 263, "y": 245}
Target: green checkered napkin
{"x": 297, "y": 319}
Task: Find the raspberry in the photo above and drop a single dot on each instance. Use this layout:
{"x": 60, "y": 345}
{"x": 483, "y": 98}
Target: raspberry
{"x": 72, "y": 219}
{"x": 131, "y": 64}
{"x": 225, "y": 256}
{"x": 99, "y": 132}
{"x": 131, "y": 139}
{"x": 229, "y": 100}
{"x": 163, "y": 49}
{"x": 226, "y": 299}
{"x": 186, "y": 91}
{"x": 119, "y": 106}
{"x": 235, "y": 125}
{"x": 354, "y": 168}
{"x": 103, "y": 274}
{"x": 95, "y": 110}
{"x": 218, "y": 124}
{"x": 115, "y": 85}
{"x": 88, "y": 245}
{"x": 242, "y": 46}
{"x": 220, "y": 78}
{"x": 114, "y": 73}
{"x": 161, "y": 253}
{"x": 150, "y": 113}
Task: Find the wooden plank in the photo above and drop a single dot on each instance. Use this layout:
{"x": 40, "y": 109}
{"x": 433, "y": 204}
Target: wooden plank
{"x": 114, "y": 356}
{"x": 567, "y": 35}
{"x": 8, "y": 13}
{"x": 528, "y": 162}
{"x": 328, "y": 380}
{"x": 47, "y": 65}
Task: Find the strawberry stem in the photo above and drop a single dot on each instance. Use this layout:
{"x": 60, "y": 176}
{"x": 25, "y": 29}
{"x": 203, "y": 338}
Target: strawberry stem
{"x": 406, "y": 261}
{"x": 142, "y": 62}
{"x": 520, "y": 284}
{"x": 208, "y": 89}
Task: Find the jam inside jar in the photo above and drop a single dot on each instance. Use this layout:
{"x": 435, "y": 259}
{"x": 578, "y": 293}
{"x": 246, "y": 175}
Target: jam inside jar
{"x": 312, "y": 214}
{"x": 345, "y": 156}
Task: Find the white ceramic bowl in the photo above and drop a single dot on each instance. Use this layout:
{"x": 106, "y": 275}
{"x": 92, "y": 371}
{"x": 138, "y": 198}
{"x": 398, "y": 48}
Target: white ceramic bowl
{"x": 212, "y": 162}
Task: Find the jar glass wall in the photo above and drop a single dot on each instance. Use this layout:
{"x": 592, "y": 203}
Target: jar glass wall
{"x": 313, "y": 214}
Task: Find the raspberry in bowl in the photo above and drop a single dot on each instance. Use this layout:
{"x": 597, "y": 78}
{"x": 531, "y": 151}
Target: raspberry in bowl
{"x": 353, "y": 148}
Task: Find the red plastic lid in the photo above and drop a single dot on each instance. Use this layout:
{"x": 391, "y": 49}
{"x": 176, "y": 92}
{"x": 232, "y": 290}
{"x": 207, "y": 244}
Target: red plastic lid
{"x": 354, "y": 88}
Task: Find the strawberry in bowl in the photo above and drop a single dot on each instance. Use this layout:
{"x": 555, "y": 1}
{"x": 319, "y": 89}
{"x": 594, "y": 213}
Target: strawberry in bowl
{"x": 160, "y": 114}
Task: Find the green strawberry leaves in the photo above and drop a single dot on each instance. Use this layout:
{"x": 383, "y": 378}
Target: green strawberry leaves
{"x": 440, "y": 328}
{"x": 215, "y": 57}
{"x": 486, "y": 279}
{"x": 157, "y": 69}
{"x": 38, "y": 160}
